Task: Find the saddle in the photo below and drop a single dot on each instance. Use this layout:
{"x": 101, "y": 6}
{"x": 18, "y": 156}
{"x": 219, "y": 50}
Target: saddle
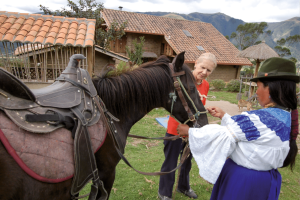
{"x": 70, "y": 102}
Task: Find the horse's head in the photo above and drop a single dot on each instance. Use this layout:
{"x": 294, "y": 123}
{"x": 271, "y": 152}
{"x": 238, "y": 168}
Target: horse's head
{"x": 185, "y": 104}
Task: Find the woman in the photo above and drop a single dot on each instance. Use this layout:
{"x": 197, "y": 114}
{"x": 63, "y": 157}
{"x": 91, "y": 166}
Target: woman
{"x": 256, "y": 143}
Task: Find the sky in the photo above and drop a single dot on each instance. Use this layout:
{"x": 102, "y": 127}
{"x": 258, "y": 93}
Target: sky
{"x": 246, "y": 10}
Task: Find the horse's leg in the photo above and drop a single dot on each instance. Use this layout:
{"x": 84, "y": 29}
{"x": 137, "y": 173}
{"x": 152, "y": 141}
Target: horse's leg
{"x": 16, "y": 184}
{"x": 107, "y": 159}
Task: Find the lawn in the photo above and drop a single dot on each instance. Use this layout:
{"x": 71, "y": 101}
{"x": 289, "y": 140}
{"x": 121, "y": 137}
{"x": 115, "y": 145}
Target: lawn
{"x": 147, "y": 155}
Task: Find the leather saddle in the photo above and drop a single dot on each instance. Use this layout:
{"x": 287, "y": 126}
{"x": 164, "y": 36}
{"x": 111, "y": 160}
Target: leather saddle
{"x": 71, "y": 102}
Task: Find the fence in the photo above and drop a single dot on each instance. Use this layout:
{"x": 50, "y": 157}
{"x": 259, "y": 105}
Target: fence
{"x": 39, "y": 63}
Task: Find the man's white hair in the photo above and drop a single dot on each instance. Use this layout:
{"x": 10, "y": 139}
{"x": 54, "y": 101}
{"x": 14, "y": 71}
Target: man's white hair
{"x": 207, "y": 56}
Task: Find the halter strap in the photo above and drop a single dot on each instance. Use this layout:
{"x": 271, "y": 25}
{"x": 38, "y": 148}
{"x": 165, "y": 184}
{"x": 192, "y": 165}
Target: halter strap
{"x": 179, "y": 88}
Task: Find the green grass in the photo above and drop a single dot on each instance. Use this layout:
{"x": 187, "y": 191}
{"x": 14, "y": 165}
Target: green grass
{"x": 225, "y": 96}
{"x": 147, "y": 155}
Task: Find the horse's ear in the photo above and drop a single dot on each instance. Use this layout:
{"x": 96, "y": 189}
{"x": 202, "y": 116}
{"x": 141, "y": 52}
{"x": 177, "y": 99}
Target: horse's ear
{"x": 178, "y": 62}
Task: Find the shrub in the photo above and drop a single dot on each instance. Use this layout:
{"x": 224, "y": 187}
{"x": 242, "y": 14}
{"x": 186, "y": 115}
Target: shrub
{"x": 218, "y": 84}
{"x": 233, "y": 85}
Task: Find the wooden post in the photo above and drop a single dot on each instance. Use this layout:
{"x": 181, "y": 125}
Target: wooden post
{"x": 90, "y": 60}
{"x": 255, "y": 75}
{"x": 256, "y": 68}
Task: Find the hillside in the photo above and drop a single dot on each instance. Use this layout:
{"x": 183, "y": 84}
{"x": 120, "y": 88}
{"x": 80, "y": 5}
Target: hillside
{"x": 226, "y": 25}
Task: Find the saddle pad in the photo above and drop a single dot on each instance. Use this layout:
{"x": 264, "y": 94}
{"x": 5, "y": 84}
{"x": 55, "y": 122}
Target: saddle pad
{"x": 46, "y": 157}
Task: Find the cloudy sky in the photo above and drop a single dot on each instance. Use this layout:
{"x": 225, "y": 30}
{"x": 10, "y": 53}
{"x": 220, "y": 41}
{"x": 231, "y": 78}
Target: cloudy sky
{"x": 246, "y": 10}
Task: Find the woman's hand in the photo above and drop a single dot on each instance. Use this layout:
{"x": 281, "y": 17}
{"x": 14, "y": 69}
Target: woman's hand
{"x": 183, "y": 130}
{"x": 216, "y": 112}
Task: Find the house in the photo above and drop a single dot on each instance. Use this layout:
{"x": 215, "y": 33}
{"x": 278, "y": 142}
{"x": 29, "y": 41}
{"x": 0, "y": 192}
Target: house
{"x": 36, "y": 48}
{"x": 167, "y": 36}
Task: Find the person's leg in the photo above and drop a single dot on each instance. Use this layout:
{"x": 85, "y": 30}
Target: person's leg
{"x": 171, "y": 151}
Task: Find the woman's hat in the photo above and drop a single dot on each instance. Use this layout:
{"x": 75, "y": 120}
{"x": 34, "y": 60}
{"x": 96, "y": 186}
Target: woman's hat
{"x": 277, "y": 69}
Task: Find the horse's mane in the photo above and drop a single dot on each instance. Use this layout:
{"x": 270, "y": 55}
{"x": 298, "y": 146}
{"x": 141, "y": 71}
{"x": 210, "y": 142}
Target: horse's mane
{"x": 144, "y": 88}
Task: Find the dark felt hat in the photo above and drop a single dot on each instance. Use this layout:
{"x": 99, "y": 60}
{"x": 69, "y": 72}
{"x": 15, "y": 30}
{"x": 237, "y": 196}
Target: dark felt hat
{"x": 277, "y": 69}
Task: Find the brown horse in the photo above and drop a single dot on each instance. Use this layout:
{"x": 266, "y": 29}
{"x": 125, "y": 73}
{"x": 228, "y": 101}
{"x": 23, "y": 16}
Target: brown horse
{"x": 129, "y": 97}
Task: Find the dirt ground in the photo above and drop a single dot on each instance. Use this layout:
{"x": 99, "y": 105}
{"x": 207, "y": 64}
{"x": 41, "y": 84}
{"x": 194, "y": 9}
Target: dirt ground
{"x": 231, "y": 109}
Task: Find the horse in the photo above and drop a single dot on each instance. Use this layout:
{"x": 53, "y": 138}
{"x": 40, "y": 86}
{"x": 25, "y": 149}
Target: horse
{"x": 129, "y": 97}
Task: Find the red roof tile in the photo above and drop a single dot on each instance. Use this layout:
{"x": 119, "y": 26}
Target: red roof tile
{"x": 65, "y": 24}
{"x": 16, "y": 26}
{"x": 35, "y": 28}
{"x": 72, "y": 31}
{"x": 2, "y": 18}
{"x": 82, "y": 32}
{"x": 70, "y": 42}
{"x": 8, "y": 37}
{"x": 46, "y": 29}
{"x": 3, "y": 30}
{"x": 48, "y": 23}
{"x": 81, "y": 36}
{"x": 39, "y": 39}
{"x": 11, "y": 19}
{"x": 19, "y": 38}
{"x": 29, "y": 39}
{"x": 204, "y": 34}
{"x": 33, "y": 33}
{"x": 29, "y": 21}
{"x": 49, "y": 40}
{"x": 20, "y": 20}
{"x": 12, "y": 31}
{"x": 89, "y": 43}
{"x": 60, "y": 41}
{"x": 79, "y": 42}
{"x": 62, "y": 35}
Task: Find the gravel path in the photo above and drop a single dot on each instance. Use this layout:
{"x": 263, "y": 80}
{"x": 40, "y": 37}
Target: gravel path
{"x": 230, "y": 108}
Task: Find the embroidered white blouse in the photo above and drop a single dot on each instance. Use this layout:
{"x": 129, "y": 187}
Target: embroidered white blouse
{"x": 257, "y": 139}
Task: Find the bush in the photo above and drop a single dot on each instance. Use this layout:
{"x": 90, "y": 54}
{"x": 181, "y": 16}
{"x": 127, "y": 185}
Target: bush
{"x": 218, "y": 84}
{"x": 233, "y": 85}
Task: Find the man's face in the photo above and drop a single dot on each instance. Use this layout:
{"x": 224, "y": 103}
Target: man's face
{"x": 203, "y": 69}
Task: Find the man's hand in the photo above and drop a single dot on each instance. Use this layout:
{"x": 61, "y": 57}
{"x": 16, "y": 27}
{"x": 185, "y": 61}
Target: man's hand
{"x": 202, "y": 96}
{"x": 183, "y": 130}
{"x": 216, "y": 112}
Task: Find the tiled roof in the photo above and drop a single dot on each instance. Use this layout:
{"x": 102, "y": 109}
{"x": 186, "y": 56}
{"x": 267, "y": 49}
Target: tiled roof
{"x": 111, "y": 53}
{"x": 46, "y": 29}
{"x": 203, "y": 34}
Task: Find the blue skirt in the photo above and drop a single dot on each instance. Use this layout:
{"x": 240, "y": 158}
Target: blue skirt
{"x": 239, "y": 183}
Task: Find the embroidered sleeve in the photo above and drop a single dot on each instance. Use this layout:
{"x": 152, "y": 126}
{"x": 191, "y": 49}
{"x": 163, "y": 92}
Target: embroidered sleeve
{"x": 250, "y": 126}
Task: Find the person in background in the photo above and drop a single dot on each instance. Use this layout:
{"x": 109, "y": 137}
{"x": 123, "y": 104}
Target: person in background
{"x": 241, "y": 156}
{"x": 204, "y": 66}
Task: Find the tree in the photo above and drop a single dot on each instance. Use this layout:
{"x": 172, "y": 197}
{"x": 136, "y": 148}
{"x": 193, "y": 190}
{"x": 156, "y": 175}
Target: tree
{"x": 90, "y": 9}
{"x": 247, "y": 34}
{"x": 135, "y": 56}
{"x": 283, "y": 49}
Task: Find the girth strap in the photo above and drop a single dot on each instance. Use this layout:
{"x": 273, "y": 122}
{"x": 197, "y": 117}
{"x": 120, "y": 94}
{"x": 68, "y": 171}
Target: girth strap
{"x": 85, "y": 165}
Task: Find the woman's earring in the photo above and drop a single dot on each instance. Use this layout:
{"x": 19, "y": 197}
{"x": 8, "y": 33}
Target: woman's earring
{"x": 269, "y": 96}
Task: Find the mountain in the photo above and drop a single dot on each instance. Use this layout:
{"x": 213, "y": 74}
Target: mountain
{"x": 226, "y": 25}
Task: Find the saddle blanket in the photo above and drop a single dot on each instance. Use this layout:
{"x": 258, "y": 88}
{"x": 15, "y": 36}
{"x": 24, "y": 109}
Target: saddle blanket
{"x": 47, "y": 157}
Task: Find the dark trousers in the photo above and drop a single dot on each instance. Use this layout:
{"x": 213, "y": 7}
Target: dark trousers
{"x": 172, "y": 150}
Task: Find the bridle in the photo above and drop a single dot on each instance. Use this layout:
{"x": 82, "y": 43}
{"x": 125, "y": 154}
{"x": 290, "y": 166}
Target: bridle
{"x": 179, "y": 88}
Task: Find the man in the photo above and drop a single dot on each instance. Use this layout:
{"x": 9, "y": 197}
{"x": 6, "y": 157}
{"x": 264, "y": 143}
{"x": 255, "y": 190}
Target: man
{"x": 204, "y": 66}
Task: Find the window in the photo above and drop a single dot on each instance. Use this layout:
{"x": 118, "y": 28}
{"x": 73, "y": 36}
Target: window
{"x": 200, "y": 48}
{"x": 187, "y": 33}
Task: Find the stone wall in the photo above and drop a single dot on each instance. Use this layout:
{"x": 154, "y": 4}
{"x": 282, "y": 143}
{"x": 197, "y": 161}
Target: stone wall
{"x": 152, "y": 42}
{"x": 225, "y": 72}
{"x": 102, "y": 60}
